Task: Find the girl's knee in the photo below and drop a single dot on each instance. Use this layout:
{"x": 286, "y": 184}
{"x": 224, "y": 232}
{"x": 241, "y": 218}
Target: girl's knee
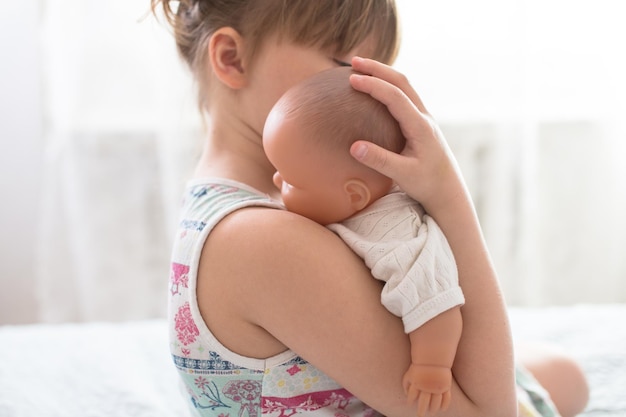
{"x": 569, "y": 387}
{"x": 560, "y": 375}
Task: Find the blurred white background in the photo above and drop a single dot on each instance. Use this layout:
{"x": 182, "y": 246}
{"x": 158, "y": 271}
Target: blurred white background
{"x": 98, "y": 130}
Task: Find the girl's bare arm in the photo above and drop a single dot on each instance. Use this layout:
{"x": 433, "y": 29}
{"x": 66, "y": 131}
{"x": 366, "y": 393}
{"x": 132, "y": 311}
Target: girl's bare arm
{"x": 292, "y": 283}
{"x": 483, "y": 367}
{"x": 302, "y": 288}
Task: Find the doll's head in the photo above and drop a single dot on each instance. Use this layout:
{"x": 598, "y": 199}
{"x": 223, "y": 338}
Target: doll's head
{"x": 307, "y": 137}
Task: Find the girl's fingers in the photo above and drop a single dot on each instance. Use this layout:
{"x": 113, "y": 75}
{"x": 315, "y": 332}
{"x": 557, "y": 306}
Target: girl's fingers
{"x": 387, "y": 93}
{"x": 393, "y": 89}
{"x": 423, "y": 140}
{"x": 412, "y": 122}
{"x": 387, "y": 73}
{"x": 386, "y": 162}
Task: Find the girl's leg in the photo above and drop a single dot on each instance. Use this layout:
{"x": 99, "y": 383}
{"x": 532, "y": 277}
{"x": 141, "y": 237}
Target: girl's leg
{"x": 559, "y": 374}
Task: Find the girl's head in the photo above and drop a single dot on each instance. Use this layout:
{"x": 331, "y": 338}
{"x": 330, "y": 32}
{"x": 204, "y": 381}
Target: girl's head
{"x": 334, "y": 27}
{"x": 307, "y": 137}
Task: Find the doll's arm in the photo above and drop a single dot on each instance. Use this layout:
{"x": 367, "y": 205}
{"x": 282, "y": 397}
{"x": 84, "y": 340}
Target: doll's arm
{"x": 433, "y": 348}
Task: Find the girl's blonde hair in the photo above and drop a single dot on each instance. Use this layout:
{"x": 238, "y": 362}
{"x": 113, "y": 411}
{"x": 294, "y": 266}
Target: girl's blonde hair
{"x": 334, "y": 25}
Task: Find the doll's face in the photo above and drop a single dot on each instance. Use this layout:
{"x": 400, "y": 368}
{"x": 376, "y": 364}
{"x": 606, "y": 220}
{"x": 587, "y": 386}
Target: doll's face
{"x": 311, "y": 181}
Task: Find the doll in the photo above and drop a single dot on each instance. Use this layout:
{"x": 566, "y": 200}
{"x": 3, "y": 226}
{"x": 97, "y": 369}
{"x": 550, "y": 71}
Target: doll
{"x": 307, "y": 137}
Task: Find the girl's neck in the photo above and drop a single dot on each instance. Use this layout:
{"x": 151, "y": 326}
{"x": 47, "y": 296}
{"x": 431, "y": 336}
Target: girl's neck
{"x": 236, "y": 154}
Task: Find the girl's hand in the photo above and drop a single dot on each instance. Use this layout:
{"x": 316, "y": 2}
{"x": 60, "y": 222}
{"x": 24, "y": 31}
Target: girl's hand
{"x": 426, "y": 168}
{"x": 427, "y": 171}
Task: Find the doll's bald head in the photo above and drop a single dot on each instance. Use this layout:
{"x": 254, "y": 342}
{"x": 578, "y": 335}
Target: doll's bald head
{"x": 307, "y": 137}
{"x": 332, "y": 113}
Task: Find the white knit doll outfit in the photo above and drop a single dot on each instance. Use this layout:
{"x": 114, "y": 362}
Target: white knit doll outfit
{"x": 406, "y": 249}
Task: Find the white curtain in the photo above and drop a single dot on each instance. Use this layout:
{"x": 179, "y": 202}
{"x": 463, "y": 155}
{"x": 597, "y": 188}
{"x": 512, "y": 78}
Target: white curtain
{"x": 122, "y": 130}
{"x": 532, "y": 95}
{"x": 527, "y": 92}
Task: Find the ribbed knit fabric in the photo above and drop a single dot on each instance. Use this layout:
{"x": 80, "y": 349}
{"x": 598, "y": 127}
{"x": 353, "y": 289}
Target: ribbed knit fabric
{"x": 406, "y": 249}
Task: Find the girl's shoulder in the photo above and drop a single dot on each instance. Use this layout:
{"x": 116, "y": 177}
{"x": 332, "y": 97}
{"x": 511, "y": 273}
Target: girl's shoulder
{"x": 262, "y": 236}
{"x": 259, "y": 266}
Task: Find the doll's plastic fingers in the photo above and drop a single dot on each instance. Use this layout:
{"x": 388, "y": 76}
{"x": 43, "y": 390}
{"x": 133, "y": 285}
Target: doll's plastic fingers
{"x": 387, "y": 73}
{"x": 412, "y": 393}
{"x": 445, "y": 401}
{"x": 423, "y": 404}
{"x": 435, "y": 403}
{"x": 406, "y": 384}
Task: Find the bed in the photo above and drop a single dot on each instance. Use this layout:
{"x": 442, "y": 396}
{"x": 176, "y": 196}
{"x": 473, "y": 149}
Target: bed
{"x": 593, "y": 334}
{"x": 123, "y": 369}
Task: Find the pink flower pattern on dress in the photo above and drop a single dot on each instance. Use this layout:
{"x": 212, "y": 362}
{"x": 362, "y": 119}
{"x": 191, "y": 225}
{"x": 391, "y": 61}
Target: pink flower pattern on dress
{"x": 338, "y": 399}
{"x": 186, "y": 329}
{"x": 293, "y": 370}
{"x": 179, "y": 275}
{"x": 246, "y": 393}
{"x": 201, "y": 382}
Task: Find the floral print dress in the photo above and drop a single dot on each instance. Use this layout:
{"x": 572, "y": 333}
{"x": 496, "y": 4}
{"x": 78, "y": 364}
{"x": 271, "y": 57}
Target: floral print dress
{"x": 217, "y": 381}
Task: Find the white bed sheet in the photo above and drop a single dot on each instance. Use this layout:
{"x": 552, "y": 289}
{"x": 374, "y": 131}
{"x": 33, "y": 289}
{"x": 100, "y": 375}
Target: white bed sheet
{"x": 88, "y": 370}
{"x": 124, "y": 369}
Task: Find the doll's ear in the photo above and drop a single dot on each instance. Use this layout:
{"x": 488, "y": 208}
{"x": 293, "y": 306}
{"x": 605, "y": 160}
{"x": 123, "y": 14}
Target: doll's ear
{"x": 358, "y": 193}
{"x": 226, "y": 48}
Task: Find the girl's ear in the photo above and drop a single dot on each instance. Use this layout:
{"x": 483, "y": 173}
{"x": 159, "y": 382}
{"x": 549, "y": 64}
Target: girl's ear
{"x": 226, "y": 57}
{"x": 358, "y": 194}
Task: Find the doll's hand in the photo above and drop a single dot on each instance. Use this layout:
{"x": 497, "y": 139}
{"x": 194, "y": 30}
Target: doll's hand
{"x": 429, "y": 386}
{"x": 426, "y": 154}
